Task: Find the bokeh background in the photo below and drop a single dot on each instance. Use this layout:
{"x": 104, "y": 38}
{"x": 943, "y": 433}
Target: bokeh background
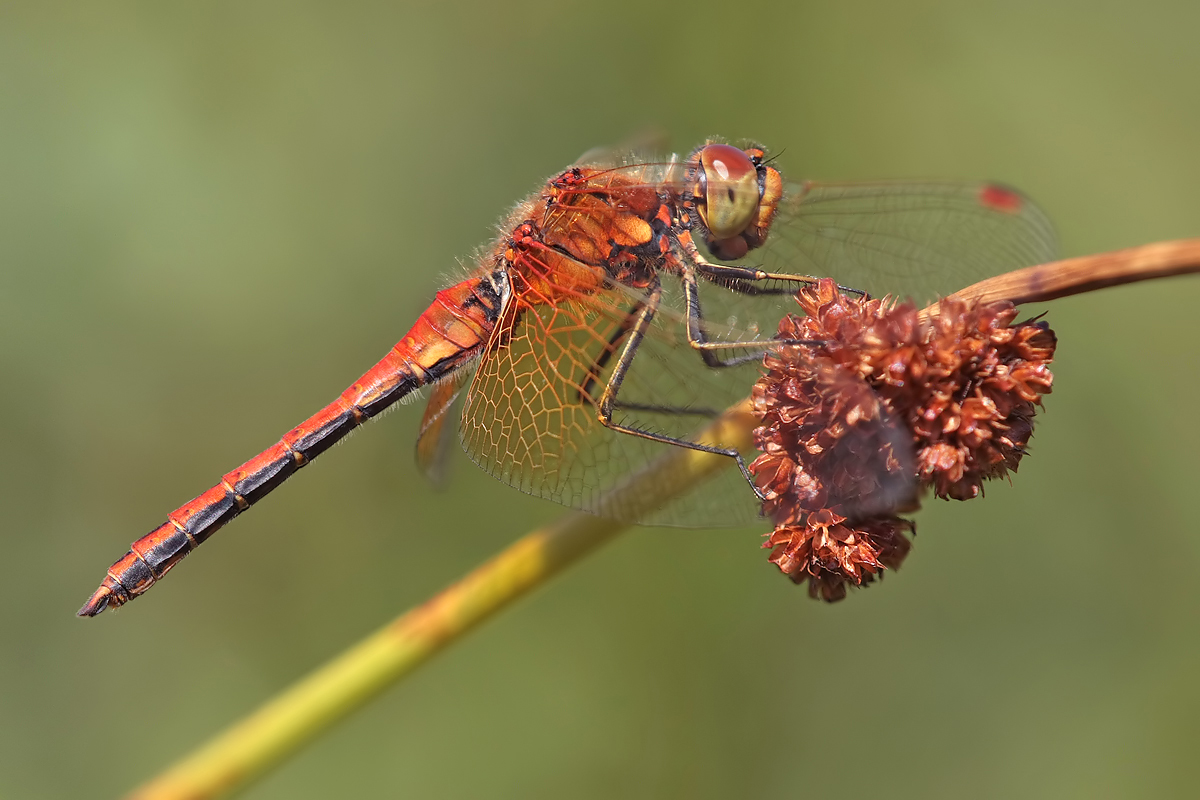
{"x": 214, "y": 216}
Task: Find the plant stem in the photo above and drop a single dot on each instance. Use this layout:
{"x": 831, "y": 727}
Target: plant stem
{"x": 234, "y": 758}
{"x": 245, "y": 751}
{"x": 1070, "y": 276}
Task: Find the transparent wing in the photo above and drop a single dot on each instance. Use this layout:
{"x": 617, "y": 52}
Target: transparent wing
{"x": 530, "y": 418}
{"x": 433, "y": 440}
{"x": 919, "y": 240}
{"x": 640, "y": 146}
{"x": 912, "y": 239}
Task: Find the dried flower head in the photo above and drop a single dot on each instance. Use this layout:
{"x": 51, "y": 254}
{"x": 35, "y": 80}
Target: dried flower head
{"x": 830, "y": 554}
{"x": 889, "y": 404}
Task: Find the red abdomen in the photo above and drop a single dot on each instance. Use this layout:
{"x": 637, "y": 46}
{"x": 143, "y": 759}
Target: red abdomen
{"x": 446, "y": 336}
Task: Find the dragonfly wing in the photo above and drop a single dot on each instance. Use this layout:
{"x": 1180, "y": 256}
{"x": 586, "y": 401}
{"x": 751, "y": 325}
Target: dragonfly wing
{"x": 643, "y": 145}
{"x": 912, "y": 239}
{"x": 530, "y": 417}
{"x": 920, "y": 240}
{"x": 433, "y": 439}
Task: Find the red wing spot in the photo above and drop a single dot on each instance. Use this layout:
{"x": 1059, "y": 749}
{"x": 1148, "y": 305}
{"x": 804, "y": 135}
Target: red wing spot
{"x": 998, "y": 198}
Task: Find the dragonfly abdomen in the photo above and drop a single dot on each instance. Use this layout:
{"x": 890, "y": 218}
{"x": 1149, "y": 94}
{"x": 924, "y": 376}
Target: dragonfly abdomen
{"x": 449, "y": 334}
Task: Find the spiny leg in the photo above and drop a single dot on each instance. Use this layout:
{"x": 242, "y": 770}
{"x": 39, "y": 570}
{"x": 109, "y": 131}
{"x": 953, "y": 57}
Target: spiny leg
{"x": 597, "y": 366}
{"x": 736, "y": 278}
{"x": 608, "y": 398}
{"x": 593, "y": 371}
{"x": 741, "y": 279}
{"x": 710, "y": 351}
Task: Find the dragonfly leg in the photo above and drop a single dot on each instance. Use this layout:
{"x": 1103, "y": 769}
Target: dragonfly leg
{"x": 746, "y": 280}
{"x": 608, "y": 398}
{"x": 742, "y": 279}
{"x": 584, "y": 392}
{"x": 711, "y": 352}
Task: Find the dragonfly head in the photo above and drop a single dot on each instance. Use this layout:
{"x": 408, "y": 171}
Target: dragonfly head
{"x": 735, "y": 194}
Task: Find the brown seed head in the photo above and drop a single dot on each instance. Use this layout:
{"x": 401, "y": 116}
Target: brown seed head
{"x": 890, "y": 401}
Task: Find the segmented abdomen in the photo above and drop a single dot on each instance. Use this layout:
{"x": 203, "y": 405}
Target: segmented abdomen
{"x": 445, "y": 337}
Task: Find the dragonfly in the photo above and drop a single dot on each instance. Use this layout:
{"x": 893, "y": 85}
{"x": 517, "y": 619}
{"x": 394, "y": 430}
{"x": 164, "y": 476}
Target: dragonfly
{"x": 625, "y": 302}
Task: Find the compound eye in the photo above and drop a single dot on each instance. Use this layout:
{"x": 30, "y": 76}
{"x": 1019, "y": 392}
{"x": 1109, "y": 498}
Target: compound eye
{"x": 731, "y": 190}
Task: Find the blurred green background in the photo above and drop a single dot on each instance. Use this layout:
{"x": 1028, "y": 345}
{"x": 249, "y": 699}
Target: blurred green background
{"x": 214, "y": 217}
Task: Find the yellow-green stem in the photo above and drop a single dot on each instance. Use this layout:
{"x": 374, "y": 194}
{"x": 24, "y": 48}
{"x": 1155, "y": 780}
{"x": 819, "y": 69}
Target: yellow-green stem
{"x": 251, "y": 747}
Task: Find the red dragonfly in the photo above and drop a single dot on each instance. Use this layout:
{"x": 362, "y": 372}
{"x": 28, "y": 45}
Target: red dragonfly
{"x": 624, "y": 302}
